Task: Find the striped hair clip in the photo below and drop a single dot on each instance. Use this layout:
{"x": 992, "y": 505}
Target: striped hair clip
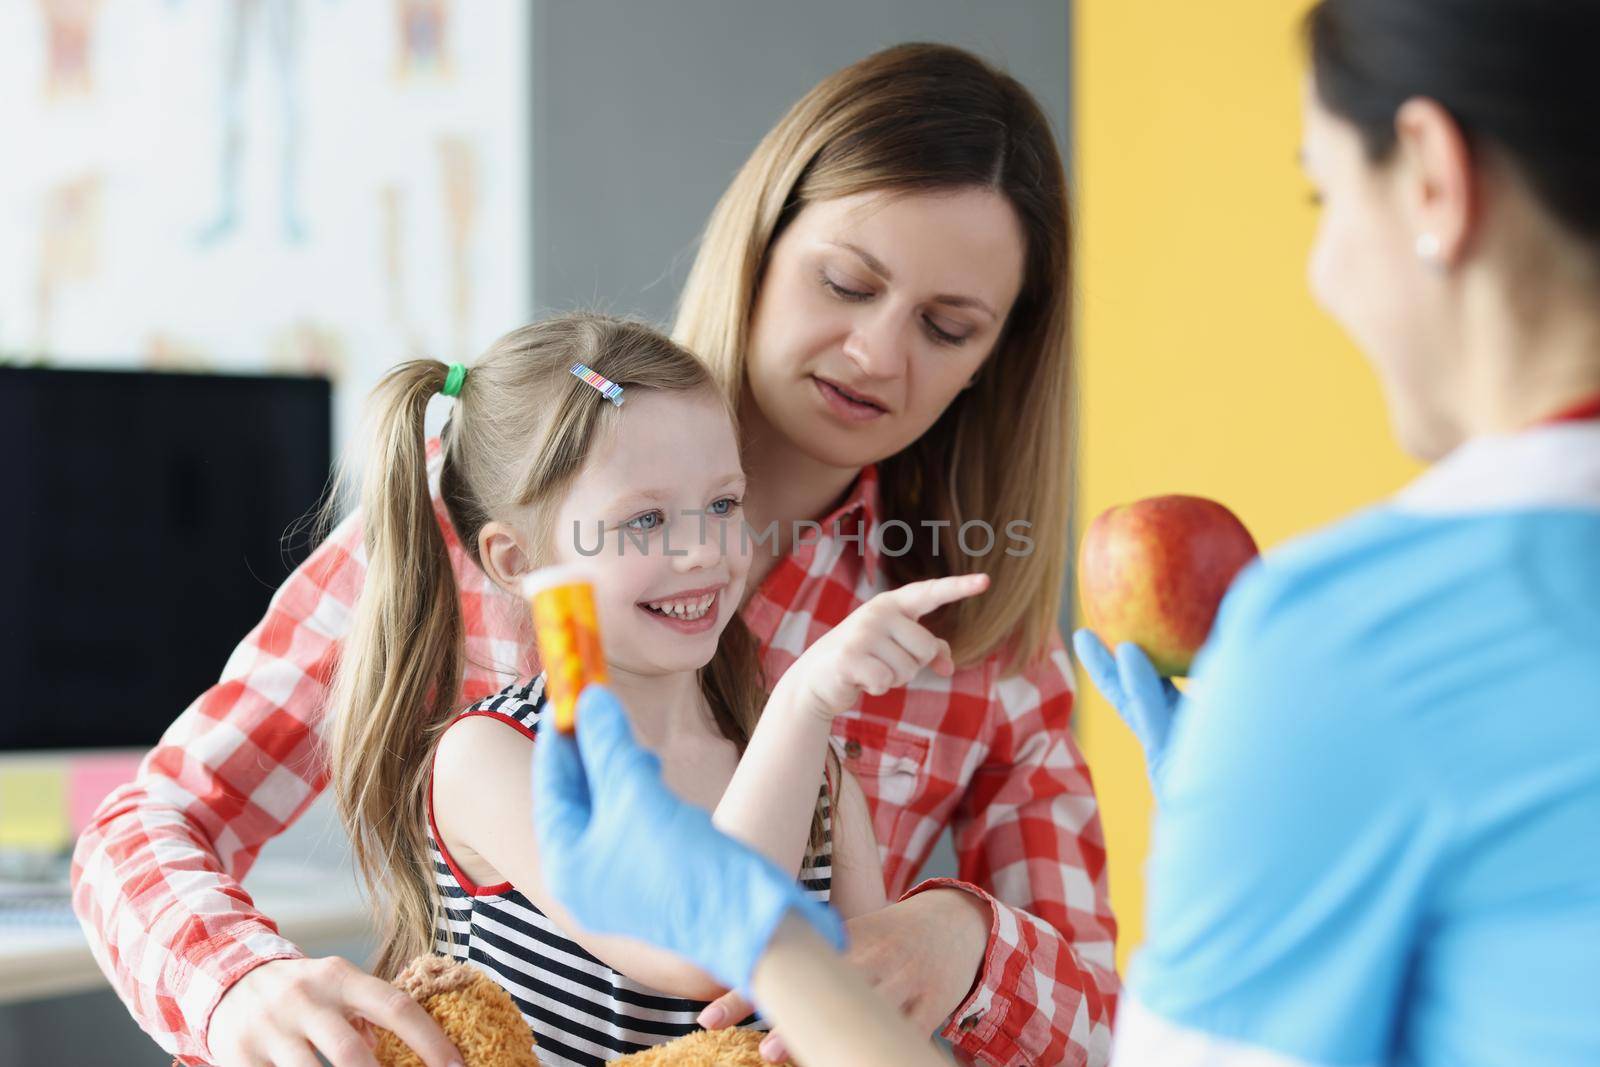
{"x": 606, "y": 387}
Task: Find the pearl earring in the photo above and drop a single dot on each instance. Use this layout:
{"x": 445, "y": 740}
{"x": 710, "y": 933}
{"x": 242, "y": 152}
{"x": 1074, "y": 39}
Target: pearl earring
{"x": 1427, "y": 247}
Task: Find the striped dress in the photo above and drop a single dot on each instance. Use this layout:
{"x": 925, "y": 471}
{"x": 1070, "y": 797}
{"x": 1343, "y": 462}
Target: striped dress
{"x": 582, "y": 1012}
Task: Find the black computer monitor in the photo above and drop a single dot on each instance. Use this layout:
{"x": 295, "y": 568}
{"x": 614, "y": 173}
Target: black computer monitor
{"x": 144, "y": 532}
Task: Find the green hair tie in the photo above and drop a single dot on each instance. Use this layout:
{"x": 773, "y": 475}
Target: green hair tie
{"x": 453, "y": 380}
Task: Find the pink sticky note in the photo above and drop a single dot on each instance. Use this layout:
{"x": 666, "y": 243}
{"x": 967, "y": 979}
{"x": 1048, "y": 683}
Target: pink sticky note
{"x": 92, "y": 778}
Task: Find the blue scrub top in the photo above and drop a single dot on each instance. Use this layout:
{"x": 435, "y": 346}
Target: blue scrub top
{"x": 1379, "y": 840}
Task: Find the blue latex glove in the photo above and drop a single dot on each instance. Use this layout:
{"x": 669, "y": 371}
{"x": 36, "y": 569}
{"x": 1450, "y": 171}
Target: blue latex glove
{"x": 1147, "y": 702}
{"x": 624, "y": 855}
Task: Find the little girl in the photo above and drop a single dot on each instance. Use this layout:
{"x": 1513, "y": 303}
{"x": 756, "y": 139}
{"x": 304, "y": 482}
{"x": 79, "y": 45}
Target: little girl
{"x": 586, "y": 440}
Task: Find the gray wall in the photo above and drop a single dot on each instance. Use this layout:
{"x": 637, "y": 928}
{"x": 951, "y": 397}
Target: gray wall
{"x": 644, "y": 109}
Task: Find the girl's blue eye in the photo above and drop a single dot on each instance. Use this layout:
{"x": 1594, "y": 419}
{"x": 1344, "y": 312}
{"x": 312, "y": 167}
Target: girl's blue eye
{"x": 642, "y": 523}
{"x": 726, "y": 506}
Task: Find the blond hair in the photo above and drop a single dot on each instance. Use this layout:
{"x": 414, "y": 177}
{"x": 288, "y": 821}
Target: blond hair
{"x": 522, "y": 429}
{"x": 928, "y": 118}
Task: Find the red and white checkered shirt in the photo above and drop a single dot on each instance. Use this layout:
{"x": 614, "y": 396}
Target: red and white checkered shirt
{"x": 156, "y": 874}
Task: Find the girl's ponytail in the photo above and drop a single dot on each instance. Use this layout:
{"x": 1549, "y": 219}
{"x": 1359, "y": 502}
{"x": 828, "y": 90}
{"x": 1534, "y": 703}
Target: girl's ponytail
{"x": 400, "y": 669}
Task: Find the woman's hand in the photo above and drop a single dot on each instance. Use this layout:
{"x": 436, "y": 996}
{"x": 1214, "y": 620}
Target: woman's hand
{"x": 922, "y": 955}
{"x": 284, "y": 1012}
{"x": 878, "y": 647}
{"x": 1147, "y": 702}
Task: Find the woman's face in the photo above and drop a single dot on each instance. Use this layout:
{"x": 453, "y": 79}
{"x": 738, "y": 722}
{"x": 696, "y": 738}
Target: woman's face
{"x": 1365, "y": 271}
{"x": 874, "y": 311}
{"x": 661, "y": 500}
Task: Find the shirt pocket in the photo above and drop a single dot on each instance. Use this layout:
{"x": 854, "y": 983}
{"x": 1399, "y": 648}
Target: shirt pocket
{"x": 889, "y": 763}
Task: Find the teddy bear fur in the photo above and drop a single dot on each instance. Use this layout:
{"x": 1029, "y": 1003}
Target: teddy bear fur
{"x": 486, "y": 1026}
{"x": 703, "y": 1048}
{"x": 470, "y": 1007}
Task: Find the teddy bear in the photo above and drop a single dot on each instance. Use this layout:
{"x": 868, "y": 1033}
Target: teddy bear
{"x": 489, "y": 1030}
{"x": 470, "y": 1007}
{"x": 703, "y": 1048}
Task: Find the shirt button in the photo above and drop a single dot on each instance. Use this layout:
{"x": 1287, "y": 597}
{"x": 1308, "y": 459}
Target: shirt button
{"x": 852, "y": 749}
{"x": 970, "y": 1023}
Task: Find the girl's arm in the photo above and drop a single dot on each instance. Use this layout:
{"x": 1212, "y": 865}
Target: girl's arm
{"x": 880, "y": 646}
{"x": 857, "y": 862}
{"x": 483, "y": 765}
{"x": 602, "y": 797}
{"x": 827, "y": 1010}
{"x": 770, "y": 800}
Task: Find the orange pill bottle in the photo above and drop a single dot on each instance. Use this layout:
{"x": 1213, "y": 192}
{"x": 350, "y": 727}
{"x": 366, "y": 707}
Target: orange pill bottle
{"x": 568, "y": 632}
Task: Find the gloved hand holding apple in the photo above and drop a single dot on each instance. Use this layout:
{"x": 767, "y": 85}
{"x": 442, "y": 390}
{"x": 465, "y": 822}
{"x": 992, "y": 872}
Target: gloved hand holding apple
{"x": 1151, "y": 575}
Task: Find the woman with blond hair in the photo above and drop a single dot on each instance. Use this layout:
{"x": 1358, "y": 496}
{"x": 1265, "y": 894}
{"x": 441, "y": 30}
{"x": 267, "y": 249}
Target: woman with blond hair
{"x": 882, "y": 293}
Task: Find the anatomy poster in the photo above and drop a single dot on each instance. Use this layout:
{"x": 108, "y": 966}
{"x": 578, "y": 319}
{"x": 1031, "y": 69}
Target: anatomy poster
{"x": 294, "y": 186}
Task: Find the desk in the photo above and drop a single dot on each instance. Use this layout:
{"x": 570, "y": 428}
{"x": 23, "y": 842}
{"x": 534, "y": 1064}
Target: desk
{"x": 317, "y": 908}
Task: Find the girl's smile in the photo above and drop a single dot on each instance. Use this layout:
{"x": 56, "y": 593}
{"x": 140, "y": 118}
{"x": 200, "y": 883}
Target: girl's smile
{"x": 693, "y": 611}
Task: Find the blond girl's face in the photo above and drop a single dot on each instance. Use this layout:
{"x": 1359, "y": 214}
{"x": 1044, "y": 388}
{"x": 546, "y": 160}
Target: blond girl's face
{"x": 655, "y": 515}
{"x": 875, "y": 310}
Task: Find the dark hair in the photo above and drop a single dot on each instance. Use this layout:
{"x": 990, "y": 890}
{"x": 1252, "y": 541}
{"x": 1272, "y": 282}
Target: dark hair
{"x": 1517, "y": 75}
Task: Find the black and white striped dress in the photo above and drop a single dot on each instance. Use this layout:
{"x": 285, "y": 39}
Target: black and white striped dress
{"x": 582, "y": 1012}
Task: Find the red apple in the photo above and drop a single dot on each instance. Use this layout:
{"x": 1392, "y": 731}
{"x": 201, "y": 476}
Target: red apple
{"x": 1154, "y": 572}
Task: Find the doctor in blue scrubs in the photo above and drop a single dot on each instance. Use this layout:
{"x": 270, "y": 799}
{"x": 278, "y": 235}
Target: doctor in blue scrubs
{"x": 1378, "y": 837}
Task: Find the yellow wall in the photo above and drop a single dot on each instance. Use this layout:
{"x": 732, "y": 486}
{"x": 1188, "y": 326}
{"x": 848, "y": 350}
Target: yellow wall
{"x": 1205, "y": 366}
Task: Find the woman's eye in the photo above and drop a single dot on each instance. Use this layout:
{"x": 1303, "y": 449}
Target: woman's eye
{"x": 724, "y": 507}
{"x": 943, "y": 336}
{"x": 842, "y": 291}
{"x": 650, "y": 520}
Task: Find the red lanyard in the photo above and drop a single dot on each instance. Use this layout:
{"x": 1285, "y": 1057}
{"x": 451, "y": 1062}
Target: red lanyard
{"x": 1588, "y": 408}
